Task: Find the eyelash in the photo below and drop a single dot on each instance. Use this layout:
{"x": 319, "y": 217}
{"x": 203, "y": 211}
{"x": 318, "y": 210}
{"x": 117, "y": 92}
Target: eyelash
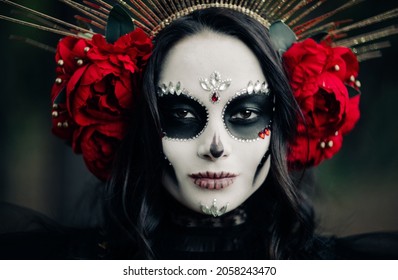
{"x": 253, "y": 114}
{"x": 176, "y": 113}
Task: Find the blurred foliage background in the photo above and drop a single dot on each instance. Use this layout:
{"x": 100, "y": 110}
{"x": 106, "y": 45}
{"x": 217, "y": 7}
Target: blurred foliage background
{"x": 356, "y": 191}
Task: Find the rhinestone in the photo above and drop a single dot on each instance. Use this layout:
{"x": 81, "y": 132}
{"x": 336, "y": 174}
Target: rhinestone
{"x": 352, "y": 78}
{"x": 79, "y": 62}
{"x": 171, "y": 88}
{"x": 86, "y": 49}
{"x": 264, "y": 88}
{"x": 178, "y": 88}
{"x": 323, "y": 145}
{"x": 54, "y": 114}
{"x": 214, "y": 98}
{"x": 257, "y": 87}
{"x": 58, "y": 80}
{"x": 60, "y": 62}
{"x": 330, "y": 144}
{"x": 59, "y": 124}
{"x": 250, "y": 87}
{"x": 358, "y": 84}
{"x": 337, "y": 68}
{"x": 163, "y": 88}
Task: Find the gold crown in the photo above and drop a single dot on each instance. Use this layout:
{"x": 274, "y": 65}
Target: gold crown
{"x": 154, "y": 15}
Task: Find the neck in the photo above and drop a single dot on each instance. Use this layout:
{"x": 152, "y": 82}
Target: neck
{"x": 183, "y": 217}
{"x": 186, "y": 234}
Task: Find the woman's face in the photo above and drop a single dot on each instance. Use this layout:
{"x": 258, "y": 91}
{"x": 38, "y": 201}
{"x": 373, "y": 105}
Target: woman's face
{"x": 216, "y": 112}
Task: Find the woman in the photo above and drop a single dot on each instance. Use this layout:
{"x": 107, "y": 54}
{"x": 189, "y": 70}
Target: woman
{"x": 203, "y": 170}
{"x": 279, "y": 219}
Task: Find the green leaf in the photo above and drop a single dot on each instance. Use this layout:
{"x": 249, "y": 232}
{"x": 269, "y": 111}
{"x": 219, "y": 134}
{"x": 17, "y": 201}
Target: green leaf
{"x": 281, "y": 36}
{"x": 119, "y": 23}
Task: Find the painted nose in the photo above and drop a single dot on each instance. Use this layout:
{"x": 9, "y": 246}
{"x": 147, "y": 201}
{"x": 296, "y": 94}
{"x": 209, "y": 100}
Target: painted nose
{"x": 216, "y": 147}
{"x": 214, "y": 150}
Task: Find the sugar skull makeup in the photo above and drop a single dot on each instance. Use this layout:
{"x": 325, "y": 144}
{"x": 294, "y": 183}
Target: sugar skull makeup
{"x": 216, "y": 113}
{"x": 246, "y": 115}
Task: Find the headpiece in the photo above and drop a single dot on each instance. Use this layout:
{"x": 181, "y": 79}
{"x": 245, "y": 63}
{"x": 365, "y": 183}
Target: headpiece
{"x": 101, "y": 60}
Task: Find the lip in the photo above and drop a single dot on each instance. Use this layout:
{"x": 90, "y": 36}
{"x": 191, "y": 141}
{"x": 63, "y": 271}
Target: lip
{"x": 213, "y": 180}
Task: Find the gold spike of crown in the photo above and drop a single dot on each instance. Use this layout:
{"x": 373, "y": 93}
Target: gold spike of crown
{"x": 154, "y": 15}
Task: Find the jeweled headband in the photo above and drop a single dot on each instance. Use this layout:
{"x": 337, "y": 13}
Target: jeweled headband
{"x": 110, "y": 50}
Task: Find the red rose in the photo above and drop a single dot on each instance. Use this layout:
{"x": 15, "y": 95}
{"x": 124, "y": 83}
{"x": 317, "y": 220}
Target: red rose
{"x": 96, "y": 93}
{"x": 69, "y": 51}
{"x": 101, "y": 91}
{"x": 98, "y": 144}
{"x": 323, "y": 103}
{"x": 62, "y": 124}
{"x": 306, "y": 151}
{"x": 352, "y": 115}
{"x": 319, "y": 75}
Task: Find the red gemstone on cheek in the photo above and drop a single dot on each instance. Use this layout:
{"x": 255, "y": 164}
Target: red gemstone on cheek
{"x": 261, "y": 135}
{"x": 267, "y": 131}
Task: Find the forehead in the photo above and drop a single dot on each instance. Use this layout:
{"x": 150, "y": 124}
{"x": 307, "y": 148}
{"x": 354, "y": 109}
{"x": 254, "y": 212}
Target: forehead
{"x": 198, "y": 56}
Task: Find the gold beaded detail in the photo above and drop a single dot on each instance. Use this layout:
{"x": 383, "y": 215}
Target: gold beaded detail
{"x": 186, "y": 11}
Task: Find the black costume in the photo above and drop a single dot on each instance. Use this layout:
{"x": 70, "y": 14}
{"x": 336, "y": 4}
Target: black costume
{"x": 26, "y": 234}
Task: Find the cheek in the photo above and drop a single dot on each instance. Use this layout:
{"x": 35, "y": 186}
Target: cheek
{"x": 251, "y": 154}
{"x": 178, "y": 153}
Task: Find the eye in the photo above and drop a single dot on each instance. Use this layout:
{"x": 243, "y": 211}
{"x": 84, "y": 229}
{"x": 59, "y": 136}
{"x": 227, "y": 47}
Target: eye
{"x": 244, "y": 115}
{"x": 183, "y": 114}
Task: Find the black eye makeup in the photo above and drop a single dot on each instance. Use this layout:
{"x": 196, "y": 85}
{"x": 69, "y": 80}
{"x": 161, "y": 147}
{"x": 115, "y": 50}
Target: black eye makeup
{"x": 246, "y": 116}
{"x": 182, "y": 116}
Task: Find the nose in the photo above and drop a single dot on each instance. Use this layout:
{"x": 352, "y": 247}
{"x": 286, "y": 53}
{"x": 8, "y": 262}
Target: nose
{"x": 214, "y": 149}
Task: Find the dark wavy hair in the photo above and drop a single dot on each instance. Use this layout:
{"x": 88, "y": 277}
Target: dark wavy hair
{"x": 133, "y": 204}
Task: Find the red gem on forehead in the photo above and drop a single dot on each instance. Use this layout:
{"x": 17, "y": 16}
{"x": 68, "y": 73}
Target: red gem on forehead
{"x": 214, "y": 97}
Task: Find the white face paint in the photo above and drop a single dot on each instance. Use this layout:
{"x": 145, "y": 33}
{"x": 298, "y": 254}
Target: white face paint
{"x": 232, "y": 172}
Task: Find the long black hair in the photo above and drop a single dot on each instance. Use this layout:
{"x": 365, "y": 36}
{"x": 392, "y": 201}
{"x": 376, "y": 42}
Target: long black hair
{"x": 133, "y": 203}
